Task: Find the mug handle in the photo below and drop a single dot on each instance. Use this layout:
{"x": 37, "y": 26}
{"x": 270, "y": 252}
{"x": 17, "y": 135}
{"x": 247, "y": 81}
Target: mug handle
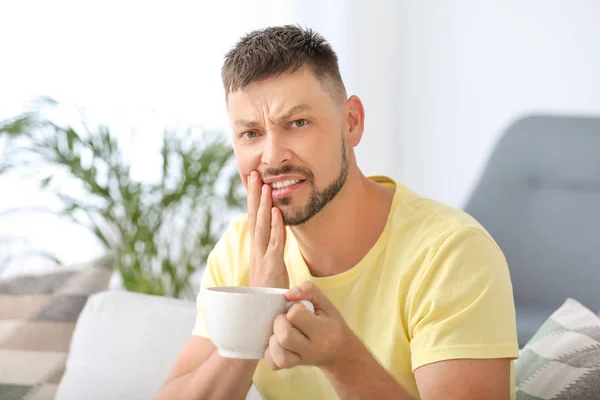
{"x": 306, "y": 304}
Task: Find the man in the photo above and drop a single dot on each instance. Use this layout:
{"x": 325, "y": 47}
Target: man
{"x": 412, "y": 298}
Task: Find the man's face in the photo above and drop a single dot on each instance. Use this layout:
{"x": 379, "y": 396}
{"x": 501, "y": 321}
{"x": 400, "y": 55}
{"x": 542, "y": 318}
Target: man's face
{"x": 291, "y": 131}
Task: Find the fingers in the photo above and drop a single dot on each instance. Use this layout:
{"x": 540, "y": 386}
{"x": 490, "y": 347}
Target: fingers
{"x": 269, "y": 361}
{"x": 262, "y": 229}
{"x": 288, "y": 337}
{"x": 277, "y": 239}
{"x": 277, "y": 357}
{"x": 254, "y": 187}
{"x": 308, "y": 290}
{"x": 303, "y": 321}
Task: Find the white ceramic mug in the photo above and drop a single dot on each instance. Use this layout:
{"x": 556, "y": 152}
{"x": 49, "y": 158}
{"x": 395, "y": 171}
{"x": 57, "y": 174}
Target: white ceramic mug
{"x": 239, "y": 319}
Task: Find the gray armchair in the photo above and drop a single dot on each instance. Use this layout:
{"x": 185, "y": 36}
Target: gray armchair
{"x": 539, "y": 197}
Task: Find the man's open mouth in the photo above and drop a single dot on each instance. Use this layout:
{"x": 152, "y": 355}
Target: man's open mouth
{"x": 285, "y": 184}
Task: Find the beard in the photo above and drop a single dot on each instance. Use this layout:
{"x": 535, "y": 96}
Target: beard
{"x": 317, "y": 199}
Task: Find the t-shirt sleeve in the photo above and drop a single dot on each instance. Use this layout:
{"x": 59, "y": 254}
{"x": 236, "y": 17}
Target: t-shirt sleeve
{"x": 462, "y": 305}
{"x": 226, "y": 265}
{"x": 208, "y": 280}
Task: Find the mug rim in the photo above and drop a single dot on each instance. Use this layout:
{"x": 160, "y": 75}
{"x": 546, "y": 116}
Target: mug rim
{"x": 246, "y": 290}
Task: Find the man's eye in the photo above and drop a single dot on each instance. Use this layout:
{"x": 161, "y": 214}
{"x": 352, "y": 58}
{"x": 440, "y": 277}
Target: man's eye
{"x": 249, "y": 134}
{"x": 299, "y": 123}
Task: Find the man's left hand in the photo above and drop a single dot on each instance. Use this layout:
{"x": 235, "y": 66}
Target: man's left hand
{"x": 304, "y": 338}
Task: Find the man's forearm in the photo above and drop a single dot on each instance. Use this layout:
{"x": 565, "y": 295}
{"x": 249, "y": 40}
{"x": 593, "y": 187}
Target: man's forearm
{"x": 217, "y": 378}
{"x": 360, "y": 376}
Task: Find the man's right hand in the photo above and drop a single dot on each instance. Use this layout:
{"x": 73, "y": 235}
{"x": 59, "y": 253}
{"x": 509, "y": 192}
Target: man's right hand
{"x": 267, "y": 237}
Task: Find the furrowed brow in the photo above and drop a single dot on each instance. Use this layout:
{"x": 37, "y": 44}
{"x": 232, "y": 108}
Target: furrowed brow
{"x": 250, "y": 124}
{"x": 293, "y": 111}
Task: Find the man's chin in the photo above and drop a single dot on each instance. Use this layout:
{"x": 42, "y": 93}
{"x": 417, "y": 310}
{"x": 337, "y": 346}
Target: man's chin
{"x": 290, "y": 215}
{"x": 293, "y": 213}
{"x": 293, "y": 221}
{"x": 294, "y": 216}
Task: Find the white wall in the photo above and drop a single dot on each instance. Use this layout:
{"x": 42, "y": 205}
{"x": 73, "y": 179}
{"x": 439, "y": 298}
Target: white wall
{"x": 469, "y": 67}
{"x": 373, "y": 59}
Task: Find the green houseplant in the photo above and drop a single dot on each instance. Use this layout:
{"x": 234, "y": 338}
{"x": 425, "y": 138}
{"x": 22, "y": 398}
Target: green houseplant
{"x": 159, "y": 233}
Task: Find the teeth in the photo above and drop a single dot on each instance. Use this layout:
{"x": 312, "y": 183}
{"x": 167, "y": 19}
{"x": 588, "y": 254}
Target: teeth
{"x": 284, "y": 184}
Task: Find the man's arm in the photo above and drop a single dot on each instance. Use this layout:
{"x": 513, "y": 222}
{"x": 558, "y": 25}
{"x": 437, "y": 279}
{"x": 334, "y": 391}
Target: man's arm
{"x": 357, "y": 375}
{"x": 201, "y": 373}
{"x": 360, "y": 376}
{"x": 465, "y": 379}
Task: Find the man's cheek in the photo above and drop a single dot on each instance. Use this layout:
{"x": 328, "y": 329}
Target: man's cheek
{"x": 244, "y": 175}
{"x": 246, "y": 164}
{"x": 244, "y": 178}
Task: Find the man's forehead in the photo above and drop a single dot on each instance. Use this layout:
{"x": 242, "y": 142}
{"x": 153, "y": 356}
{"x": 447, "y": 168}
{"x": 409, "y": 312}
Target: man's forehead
{"x": 296, "y": 83}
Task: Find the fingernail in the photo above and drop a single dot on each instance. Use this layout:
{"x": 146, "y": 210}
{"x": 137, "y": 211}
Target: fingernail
{"x": 264, "y": 189}
{"x": 273, "y": 213}
{"x": 294, "y": 292}
{"x": 253, "y": 176}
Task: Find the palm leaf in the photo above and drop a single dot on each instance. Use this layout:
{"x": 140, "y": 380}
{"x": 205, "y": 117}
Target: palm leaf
{"x": 159, "y": 233}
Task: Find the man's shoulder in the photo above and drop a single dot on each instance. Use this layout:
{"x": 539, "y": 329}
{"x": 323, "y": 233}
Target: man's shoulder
{"x": 238, "y": 226}
{"x": 227, "y": 262}
{"x": 234, "y": 239}
{"x": 434, "y": 219}
{"x": 409, "y": 206}
{"x": 442, "y": 240}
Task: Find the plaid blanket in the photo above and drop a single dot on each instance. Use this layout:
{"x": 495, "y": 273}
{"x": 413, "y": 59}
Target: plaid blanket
{"x": 37, "y": 318}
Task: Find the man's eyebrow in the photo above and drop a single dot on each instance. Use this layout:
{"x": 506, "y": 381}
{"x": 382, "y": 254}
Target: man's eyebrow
{"x": 294, "y": 110}
{"x": 246, "y": 123}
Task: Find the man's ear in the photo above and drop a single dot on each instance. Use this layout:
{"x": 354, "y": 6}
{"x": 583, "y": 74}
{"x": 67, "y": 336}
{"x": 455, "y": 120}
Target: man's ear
{"x": 355, "y": 120}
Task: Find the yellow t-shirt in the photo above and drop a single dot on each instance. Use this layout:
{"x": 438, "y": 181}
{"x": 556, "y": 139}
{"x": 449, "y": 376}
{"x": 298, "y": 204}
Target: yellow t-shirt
{"x": 435, "y": 286}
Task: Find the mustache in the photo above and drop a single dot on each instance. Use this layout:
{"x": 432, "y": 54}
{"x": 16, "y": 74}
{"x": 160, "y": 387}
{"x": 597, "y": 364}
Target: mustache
{"x": 287, "y": 169}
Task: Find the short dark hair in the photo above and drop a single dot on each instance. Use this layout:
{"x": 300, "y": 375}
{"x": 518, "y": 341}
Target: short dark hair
{"x": 269, "y": 52}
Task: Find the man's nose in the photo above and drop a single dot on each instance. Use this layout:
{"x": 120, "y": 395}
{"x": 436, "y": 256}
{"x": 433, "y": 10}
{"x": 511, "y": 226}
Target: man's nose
{"x": 275, "y": 151}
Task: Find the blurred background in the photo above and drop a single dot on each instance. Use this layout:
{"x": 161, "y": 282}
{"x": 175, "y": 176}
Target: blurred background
{"x": 440, "y": 81}
{"x": 115, "y": 153}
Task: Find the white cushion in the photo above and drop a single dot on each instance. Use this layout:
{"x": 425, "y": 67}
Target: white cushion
{"x": 124, "y": 346}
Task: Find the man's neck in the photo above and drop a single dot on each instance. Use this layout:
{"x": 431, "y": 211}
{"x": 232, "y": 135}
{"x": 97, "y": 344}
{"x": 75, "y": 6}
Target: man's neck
{"x": 339, "y": 236}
